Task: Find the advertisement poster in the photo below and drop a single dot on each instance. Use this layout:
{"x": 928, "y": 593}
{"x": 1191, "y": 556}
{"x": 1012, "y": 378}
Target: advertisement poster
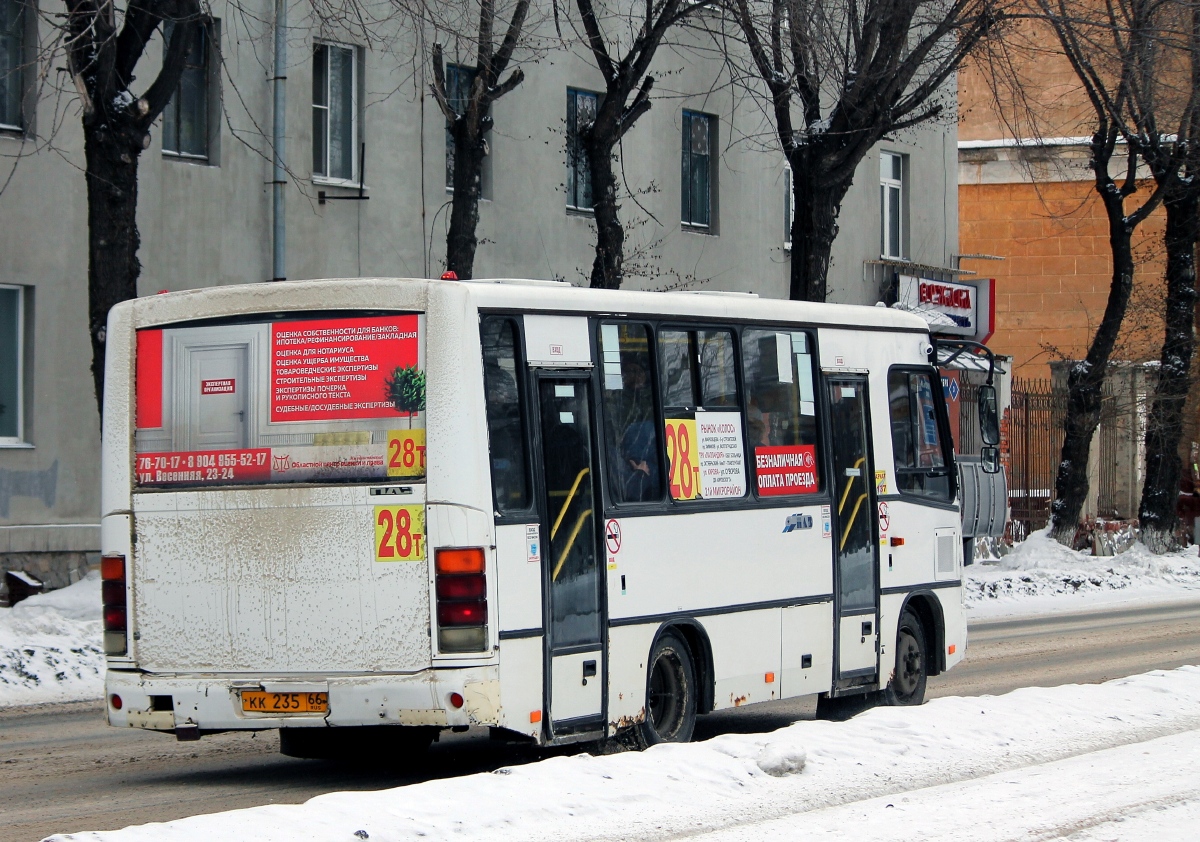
{"x": 786, "y": 470}
{"x": 333, "y": 369}
{"x": 722, "y": 460}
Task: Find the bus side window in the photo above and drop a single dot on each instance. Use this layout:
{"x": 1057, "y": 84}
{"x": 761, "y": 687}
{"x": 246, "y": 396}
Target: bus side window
{"x": 921, "y": 466}
{"x": 698, "y": 375}
{"x": 630, "y": 429}
{"x": 502, "y": 395}
{"x": 781, "y": 415}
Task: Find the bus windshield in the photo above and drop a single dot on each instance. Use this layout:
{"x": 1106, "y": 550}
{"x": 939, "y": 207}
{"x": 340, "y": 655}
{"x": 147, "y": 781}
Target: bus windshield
{"x": 327, "y": 398}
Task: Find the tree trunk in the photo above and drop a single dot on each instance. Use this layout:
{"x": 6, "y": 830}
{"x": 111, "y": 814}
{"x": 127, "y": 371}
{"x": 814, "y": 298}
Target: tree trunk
{"x": 464, "y": 210}
{"x": 608, "y": 267}
{"x": 814, "y": 228}
{"x": 1164, "y": 427}
{"x": 113, "y": 240}
{"x": 1086, "y": 379}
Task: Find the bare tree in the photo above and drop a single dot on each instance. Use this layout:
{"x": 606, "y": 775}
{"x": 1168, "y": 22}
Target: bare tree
{"x": 625, "y": 66}
{"x": 470, "y": 119}
{"x": 1110, "y": 49}
{"x": 1166, "y": 98}
{"x": 838, "y": 78}
{"x": 102, "y": 53}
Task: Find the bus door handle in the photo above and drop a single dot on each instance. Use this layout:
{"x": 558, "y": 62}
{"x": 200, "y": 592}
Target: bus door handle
{"x": 866, "y": 629}
{"x": 589, "y": 670}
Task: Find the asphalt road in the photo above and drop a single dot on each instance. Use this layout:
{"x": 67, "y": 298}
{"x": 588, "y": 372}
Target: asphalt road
{"x": 62, "y": 769}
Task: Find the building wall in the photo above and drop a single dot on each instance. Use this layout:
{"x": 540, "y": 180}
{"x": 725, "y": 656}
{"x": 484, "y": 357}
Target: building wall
{"x": 205, "y": 224}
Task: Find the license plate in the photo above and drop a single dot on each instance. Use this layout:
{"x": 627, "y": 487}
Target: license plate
{"x": 258, "y": 701}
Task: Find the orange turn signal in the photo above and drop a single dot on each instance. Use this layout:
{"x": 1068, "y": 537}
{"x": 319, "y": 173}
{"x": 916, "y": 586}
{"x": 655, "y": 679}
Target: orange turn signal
{"x": 769, "y": 678}
{"x": 953, "y": 647}
{"x": 897, "y": 542}
{"x": 469, "y": 560}
{"x": 535, "y": 716}
{"x": 112, "y": 567}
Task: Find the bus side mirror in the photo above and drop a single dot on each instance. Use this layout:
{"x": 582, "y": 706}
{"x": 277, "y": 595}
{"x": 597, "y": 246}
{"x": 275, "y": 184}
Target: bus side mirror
{"x": 989, "y": 417}
{"x": 989, "y": 459}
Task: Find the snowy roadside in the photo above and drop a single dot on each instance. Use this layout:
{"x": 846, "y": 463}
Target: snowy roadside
{"x": 1022, "y": 742}
{"x": 1040, "y": 576}
{"x": 50, "y": 647}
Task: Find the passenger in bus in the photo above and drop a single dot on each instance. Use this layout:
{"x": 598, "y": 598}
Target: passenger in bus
{"x": 637, "y": 443}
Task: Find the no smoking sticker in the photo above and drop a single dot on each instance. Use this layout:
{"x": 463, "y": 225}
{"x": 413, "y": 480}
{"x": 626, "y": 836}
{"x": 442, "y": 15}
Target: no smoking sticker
{"x": 885, "y": 519}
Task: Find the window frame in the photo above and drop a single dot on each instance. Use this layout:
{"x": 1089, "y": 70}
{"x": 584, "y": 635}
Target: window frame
{"x": 211, "y": 32}
{"x": 19, "y": 439}
{"x": 789, "y": 209}
{"x": 530, "y": 513}
{"x": 575, "y": 154}
{"x": 26, "y": 35}
{"x": 944, "y": 438}
{"x": 355, "y": 114}
{"x": 485, "y": 172}
{"x": 687, "y": 205}
{"x": 886, "y": 185}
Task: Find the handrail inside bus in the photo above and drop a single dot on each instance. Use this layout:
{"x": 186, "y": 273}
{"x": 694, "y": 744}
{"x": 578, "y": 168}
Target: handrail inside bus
{"x": 570, "y": 543}
{"x": 849, "y": 485}
{"x": 570, "y": 496}
{"x": 850, "y": 523}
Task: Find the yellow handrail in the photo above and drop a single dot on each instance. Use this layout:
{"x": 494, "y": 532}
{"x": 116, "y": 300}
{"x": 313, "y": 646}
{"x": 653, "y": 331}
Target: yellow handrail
{"x": 850, "y": 523}
{"x": 570, "y": 496}
{"x": 570, "y": 543}
{"x": 850, "y": 485}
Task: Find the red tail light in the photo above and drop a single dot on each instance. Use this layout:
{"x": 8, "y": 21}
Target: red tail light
{"x": 473, "y": 613}
{"x": 461, "y": 588}
{"x": 112, "y": 594}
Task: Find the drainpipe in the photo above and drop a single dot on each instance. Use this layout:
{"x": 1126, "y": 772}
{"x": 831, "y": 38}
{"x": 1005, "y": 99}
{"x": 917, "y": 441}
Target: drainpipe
{"x": 278, "y": 176}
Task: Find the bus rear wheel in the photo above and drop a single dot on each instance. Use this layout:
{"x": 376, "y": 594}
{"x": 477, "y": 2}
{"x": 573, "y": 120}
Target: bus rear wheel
{"x": 907, "y": 686}
{"x": 670, "y": 693}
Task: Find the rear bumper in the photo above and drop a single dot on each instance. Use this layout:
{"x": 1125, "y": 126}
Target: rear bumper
{"x": 213, "y": 702}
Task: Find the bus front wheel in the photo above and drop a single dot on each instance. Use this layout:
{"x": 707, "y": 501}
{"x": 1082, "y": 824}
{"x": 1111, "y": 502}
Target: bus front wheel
{"x": 670, "y": 693}
{"x": 907, "y": 686}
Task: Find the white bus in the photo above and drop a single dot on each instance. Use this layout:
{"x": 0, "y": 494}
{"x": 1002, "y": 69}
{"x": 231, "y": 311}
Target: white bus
{"x": 379, "y": 508}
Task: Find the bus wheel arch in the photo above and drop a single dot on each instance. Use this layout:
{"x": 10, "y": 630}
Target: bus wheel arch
{"x": 927, "y": 608}
{"x": 674, "y": 687}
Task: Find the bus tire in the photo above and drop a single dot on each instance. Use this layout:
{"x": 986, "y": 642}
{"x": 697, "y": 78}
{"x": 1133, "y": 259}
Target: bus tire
{"x": 670, "y": 693}
{"x": 907, "y": 684}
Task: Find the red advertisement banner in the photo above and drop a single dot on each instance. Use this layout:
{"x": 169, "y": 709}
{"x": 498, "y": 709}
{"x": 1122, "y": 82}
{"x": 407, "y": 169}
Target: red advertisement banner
{"x": 334, "y": 369}
{"x": 247, "y": 465}
{"x": 786, "y": 470}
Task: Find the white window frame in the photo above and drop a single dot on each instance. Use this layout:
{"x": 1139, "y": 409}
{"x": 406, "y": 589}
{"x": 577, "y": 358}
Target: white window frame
{"x": 356, "y": 85}
{"x": 19, "y": 439}
{"x": 887, "y": 184}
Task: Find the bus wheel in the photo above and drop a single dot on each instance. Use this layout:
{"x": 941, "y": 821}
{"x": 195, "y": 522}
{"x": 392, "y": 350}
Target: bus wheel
{"x": 671, "y": 693}
{"x": 907, "y": 686}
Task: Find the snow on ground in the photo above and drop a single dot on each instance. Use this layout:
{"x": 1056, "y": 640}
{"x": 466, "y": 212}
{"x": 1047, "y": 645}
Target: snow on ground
{"x": 51, "y": 646}
{"x": 992, "y": 767}
{"x": 1041, "y": 576}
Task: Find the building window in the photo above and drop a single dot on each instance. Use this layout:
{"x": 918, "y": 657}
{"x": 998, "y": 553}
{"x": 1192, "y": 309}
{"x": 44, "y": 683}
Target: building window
{"x": 12, "y": 324}
{"x": 789, "y": 210}
{"x": 12, "y": 64}
{"x": 335, "y": 112}
{"x": 581, "y": 111}
{"x": 459, "y": 79}
{"x": 891, "y": 205}
{"x": 185, "y": 119}
{"x": 699, "y": 132}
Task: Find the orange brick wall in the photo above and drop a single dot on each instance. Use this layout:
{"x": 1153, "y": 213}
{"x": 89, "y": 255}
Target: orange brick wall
{"x": 1053, "y": 284}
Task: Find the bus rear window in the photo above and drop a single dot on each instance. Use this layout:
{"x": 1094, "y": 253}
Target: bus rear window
{"x": 298, "y": 400}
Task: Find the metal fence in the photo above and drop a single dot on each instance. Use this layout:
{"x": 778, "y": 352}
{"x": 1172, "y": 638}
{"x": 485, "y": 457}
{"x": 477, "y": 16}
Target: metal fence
{"x": 1035, "y": 437}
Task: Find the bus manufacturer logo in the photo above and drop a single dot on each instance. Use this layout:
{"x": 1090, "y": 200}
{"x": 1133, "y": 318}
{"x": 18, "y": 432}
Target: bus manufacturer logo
{"x": 797, "y": 521}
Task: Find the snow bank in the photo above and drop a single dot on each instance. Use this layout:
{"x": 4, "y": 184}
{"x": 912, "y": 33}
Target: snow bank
{"x": 675, "y": 790}
{"x": 51, "y": 646}
{"x": 1040, "y": 575}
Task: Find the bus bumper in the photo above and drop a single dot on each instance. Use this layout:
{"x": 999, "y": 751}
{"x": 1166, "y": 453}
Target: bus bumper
{"x": 200, "y": 703}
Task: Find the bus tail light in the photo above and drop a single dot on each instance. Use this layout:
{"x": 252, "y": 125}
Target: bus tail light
{"x": 112, "y": 595}
{"x": 462, "y": 611}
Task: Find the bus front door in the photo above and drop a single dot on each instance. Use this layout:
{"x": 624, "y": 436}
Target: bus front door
{"x": 856, "y": 552}
{"x": 571, "y": 564}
